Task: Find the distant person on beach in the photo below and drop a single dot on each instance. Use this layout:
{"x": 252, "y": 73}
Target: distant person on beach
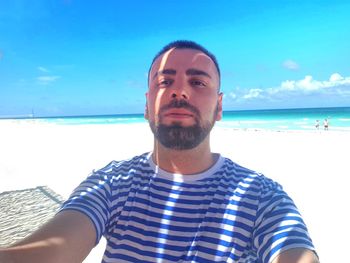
{"x": 181, "y": 202}
{"x": 317, "y": 125}
{"x": 325, "y": 124}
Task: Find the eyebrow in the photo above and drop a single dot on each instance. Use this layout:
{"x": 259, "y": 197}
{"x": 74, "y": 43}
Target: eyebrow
{"x": 194, "y": 72}
{"x": 165, "y": 71}
{"x": 190, "y": 72}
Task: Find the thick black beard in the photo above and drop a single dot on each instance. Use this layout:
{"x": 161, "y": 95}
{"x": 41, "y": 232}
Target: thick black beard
{"x": 177, "y": 137}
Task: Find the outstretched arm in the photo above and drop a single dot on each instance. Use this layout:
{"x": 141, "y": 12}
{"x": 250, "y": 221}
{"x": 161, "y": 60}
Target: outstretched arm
{"x": 68, "y": 237}
{"x": 296, "y": 255}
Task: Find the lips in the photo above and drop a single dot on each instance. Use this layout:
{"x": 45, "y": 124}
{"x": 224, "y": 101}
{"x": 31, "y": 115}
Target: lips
{"x": 179, "y": 110}
{"x": 178, "y": 113}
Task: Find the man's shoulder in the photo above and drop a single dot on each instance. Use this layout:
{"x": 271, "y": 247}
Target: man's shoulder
{"x": 243, "y": 173}
{"x": 138, "y": 162}
{"x": 236, "y": 169}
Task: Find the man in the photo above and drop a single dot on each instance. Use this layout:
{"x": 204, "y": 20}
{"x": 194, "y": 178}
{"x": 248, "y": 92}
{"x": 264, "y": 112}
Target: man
{"x": 325, "y": 124}
{"x": 181, "y": 202}
{"x": 317, "y": 125}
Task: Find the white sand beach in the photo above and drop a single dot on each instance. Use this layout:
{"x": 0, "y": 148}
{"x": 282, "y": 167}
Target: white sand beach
{"x": 311, "y": 166}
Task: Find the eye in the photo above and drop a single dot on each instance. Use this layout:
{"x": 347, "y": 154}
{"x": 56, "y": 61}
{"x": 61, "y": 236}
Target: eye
{"x": 198, "y": 83}
{"x": 163, "y": 83}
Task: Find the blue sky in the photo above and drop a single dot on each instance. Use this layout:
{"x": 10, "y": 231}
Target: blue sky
{"x": 91, "y": 57}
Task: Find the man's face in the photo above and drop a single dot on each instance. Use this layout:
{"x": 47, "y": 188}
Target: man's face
{"x": 183, "y": 102}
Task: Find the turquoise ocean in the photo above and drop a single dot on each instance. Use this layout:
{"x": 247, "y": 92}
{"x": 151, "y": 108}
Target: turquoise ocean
{"x": 276, "y": 119}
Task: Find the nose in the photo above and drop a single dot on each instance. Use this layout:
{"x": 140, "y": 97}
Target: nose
{"x": 180, "y": 91}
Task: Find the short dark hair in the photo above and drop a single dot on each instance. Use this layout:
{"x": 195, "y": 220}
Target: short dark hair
{"x": 183, "y": 44}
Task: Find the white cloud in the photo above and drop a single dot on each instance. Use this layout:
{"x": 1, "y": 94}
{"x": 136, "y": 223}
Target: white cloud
{"x": 336, "y": 87}
{"x": 290, "y": 65}
{"x": 308, "y": 84}
{"x": 232, "y": 95}
{"x": 44, "y": 80}
{"x": 42, "y": 69}
{"x": 253, "y": 93}
{"x": 335, "y": 77}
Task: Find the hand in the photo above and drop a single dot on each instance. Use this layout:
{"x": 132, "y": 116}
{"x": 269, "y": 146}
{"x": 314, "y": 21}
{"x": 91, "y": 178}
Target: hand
{"x": 68, "y": 237}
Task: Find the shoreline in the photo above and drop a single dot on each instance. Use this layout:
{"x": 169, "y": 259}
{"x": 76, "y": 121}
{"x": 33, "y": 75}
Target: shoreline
{"x": 219, "y": 125}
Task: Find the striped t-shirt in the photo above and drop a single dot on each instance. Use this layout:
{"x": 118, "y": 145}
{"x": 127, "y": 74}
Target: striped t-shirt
{"x": 225, "y": 214}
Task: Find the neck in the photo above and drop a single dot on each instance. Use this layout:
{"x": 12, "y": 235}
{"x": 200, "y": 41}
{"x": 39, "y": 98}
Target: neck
{"x": 191, "y": 161}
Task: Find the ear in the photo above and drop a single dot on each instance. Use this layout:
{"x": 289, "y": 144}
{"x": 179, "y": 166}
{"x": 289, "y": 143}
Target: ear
{"x": 219, "y": 107}
{"x": 146, "y": 107}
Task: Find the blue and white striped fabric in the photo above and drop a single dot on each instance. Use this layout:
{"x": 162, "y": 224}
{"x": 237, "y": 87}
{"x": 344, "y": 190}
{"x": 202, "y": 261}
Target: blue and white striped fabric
{"x": 226, "y": 214}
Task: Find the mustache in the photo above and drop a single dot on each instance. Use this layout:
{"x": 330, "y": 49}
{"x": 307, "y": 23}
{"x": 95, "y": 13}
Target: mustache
{"x": 177, "y": 104}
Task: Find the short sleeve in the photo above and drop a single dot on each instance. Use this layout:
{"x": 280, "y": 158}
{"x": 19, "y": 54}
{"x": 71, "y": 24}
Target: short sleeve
{"x": 279, "y": 225}
{"x": 92, "y": 198}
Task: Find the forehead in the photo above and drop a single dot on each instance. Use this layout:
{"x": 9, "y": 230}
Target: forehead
{"x": 183, "y": 59}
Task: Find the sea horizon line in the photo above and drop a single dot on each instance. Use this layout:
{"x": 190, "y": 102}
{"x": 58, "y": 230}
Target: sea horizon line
{"x": 32, "y": 116}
